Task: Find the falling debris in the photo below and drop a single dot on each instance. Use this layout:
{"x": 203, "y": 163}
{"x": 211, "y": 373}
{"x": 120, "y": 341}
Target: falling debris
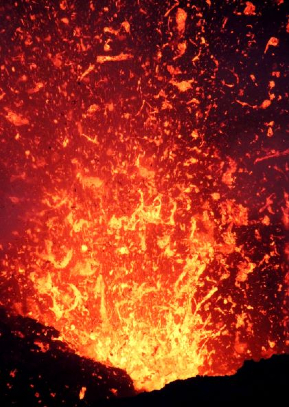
{"x": 113, "y": 58}
{"x": 144, "y": 182}
{"x": 181, "y": 18}
{"x": 273, "y": 42}
{"x": 82, "y": 393}
{"x": 183, "y": 86}
{"x": 250, "y": 9}
{"x": 87, "y": 72}
{"x": 15, "y": 118}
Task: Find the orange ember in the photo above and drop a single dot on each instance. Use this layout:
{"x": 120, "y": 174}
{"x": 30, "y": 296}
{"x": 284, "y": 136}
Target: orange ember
{"x": 143, "y": 195}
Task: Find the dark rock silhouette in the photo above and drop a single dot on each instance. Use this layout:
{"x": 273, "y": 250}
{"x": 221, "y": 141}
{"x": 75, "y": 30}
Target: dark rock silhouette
{"x": 260, "y": 383}
{"x": 36, "y": 369}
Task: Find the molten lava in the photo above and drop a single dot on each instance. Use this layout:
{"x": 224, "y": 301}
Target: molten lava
{"x": 143, "y": 182}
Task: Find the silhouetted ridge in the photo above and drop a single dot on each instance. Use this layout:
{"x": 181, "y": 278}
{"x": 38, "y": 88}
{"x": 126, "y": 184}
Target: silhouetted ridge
{"x": 36, "y": 369}
{"x": 260, "y": 383}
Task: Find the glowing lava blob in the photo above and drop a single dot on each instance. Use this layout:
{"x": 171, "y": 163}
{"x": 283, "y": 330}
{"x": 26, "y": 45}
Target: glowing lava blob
{"x": 140, "y": 211}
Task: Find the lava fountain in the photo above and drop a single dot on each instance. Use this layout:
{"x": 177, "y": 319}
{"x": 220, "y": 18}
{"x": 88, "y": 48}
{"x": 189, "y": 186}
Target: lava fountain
{"x": 143, "y": 180}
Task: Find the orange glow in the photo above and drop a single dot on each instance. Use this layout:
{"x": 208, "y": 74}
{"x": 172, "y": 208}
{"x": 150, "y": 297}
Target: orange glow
{"x": 144, "y": 184}
{"x": 82, "y": 393}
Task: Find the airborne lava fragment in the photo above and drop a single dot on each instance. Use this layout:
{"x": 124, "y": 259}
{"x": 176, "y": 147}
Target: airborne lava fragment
{"x": 143, "y": 180}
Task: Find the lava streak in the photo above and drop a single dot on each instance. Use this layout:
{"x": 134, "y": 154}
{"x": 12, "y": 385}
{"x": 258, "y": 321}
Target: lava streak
{"x": 133, "y": 222}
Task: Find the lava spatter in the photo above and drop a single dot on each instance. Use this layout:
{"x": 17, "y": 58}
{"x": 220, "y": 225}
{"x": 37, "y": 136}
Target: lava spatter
{"x": 143, "y": 181}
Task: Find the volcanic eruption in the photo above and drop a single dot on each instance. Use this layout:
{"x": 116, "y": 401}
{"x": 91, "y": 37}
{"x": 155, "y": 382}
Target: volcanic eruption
{"x": 144, "y": 180}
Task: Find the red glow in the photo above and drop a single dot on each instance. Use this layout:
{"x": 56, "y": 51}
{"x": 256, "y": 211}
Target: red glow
{"x": 142, "y": 216}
